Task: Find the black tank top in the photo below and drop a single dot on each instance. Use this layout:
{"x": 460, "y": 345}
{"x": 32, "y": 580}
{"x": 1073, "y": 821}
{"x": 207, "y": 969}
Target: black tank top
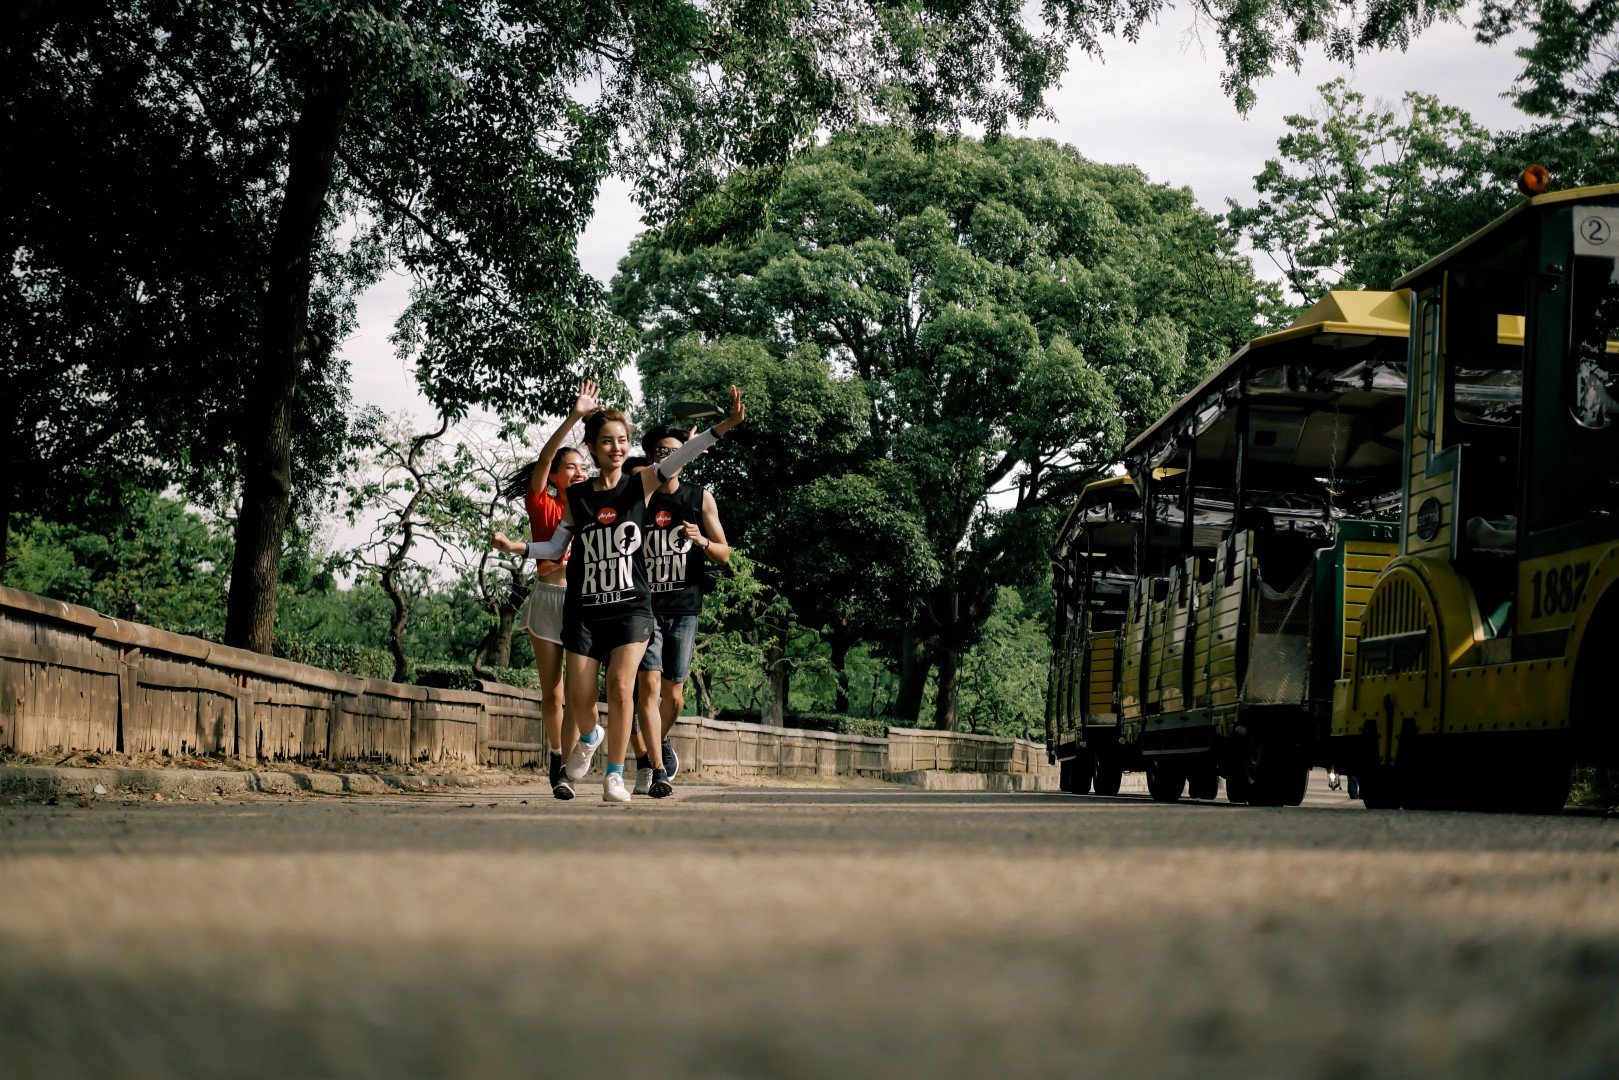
{"x": 606, "y": 564}
{"x": 674, "y": 565}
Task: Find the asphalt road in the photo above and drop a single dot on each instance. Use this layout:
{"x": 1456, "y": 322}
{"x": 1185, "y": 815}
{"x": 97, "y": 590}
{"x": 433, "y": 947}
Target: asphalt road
{"x": 790, "y": 932}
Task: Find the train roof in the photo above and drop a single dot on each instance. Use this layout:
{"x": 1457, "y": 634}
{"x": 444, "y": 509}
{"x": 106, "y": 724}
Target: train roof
{"x": 1493, "y": 232}
{"x": 1327, "y": 396}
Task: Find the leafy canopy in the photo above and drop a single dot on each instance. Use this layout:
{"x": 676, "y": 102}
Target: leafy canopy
{"x": 1362, "y": 192}
{"x": 976, "y": 329}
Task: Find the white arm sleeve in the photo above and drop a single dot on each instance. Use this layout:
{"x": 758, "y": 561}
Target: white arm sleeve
{"x": 553, "y": 548}
{"x": 689, "y": 451}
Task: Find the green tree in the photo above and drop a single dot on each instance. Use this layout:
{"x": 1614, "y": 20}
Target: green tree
{"x": 134, "y": 209}
{"x": 1570, "y": 81}
{"x": 1007, "y": 312}
{"x": 146, "y": 559}
{"x": 1361, "y": 193}
{"x": 470, "y": 139}
{"x": 406, "y": 483}
{"x": 791, "y": 484}
{"x": 752, "y": 646}
{"x": 435, "y": 506}
{"x": 1571, "y": 67}
{"x": 1003, "y": 675}
{"x": 856, "y": 565}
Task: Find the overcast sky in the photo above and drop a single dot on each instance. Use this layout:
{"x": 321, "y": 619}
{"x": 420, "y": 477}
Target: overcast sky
{"x": 1156, "y": 104}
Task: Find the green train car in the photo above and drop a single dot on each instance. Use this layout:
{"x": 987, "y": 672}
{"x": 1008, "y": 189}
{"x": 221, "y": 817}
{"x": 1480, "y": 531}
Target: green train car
{"x": 1194, "y": 640}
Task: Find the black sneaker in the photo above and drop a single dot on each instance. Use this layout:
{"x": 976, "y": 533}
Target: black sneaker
{"x": 671, "y": 760}
{"x": 660, "y": 787}
{"x": 562, "y": 789}
{"x": 555, "y": 771}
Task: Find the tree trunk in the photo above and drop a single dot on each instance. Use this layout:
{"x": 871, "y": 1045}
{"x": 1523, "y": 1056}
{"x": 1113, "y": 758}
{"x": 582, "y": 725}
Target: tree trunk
{"x": 916, "y": 657}
{"x": 497, "y": 643}
{"x": 273, "y": 388}
{"x": 840, "y": 653}
{"x": 396, "y": 626}
{"x": 705, "y": 700}
{"x": 503, "y": 636}
{"x": 944, "y": 702}
{"x": 8, "y": 486}
{"x": 508, "y": 616}
{"x": 775, "y": 703}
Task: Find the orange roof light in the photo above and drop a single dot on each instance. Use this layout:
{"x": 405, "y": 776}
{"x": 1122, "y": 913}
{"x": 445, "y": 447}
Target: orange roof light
{"x": 1535, "y": 180}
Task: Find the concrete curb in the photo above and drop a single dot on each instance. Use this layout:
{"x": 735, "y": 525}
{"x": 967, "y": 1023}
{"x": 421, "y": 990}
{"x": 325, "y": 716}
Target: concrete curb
{"x": 46, "y": 780}
{"x": 940, "y": 780}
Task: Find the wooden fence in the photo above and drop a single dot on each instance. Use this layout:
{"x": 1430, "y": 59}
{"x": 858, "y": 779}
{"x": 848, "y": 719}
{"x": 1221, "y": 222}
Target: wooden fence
{"x": 917, "y": 749}
{"x": 72, "y": 679}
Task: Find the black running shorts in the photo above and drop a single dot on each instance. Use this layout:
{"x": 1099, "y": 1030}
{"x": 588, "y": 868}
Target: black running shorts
{"x": 597, "y": 638}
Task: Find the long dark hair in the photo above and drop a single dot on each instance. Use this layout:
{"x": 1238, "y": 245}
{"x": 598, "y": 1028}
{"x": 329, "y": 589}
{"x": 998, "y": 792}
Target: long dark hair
{"x": 515, "y": 485}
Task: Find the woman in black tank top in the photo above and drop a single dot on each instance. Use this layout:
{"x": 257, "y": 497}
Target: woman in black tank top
{"x": 607, "y": 615}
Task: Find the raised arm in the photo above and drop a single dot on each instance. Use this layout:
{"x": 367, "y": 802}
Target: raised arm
{"x": 583, "y": 406}
{"x": 693, "y": 447}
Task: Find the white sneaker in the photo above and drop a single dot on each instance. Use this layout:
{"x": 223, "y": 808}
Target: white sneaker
{"x": 613, "y": 788}
{"x": 580, "y": 756}
{"x": 643, "y": 781}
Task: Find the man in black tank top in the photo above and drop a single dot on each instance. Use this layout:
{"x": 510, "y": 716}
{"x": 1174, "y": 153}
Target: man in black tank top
{"x": 683, "y": 535}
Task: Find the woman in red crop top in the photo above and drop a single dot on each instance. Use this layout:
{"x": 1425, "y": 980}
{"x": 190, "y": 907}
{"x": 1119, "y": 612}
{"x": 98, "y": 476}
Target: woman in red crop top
{"x": 542, "y": 484}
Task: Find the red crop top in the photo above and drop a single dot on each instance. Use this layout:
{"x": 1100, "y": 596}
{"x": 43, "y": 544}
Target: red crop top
{"x": 544, "y": 514}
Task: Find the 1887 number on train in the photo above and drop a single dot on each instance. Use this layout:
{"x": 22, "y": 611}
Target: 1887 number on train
{"x": 1559, "y": 588}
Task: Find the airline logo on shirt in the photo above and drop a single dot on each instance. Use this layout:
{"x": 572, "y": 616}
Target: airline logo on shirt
{"x": 663, "y": 518}
{"x": 607, "y": 515}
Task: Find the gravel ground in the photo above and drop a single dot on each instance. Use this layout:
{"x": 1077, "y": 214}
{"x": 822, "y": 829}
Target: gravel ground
{"x": 791, "y": 932}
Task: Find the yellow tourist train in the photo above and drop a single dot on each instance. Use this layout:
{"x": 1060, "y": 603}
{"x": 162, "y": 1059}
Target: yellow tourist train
{"x": 1383, "y": 540}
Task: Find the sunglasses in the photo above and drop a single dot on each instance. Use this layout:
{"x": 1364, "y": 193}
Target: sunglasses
{"x": 660, "y": 452}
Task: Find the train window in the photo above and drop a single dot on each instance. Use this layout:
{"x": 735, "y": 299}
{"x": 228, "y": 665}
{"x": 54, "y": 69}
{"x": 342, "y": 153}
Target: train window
{"x": 1484, "y": 310}
{"x": 1594, "y": 341}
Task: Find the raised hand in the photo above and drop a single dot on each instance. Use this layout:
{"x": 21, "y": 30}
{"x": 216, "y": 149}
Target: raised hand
{"x": 511, "y": 547}
{"x": 589, "y": 399}
{"x": 737, "y": 413}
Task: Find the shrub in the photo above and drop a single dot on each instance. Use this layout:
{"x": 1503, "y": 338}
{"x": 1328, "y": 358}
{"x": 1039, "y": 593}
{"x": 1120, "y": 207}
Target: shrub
{"x": 1595, "y": 787}
{"x": 837, "y": 722}
{"x": 361, "y": 660}
{"x": 449, "y": 676}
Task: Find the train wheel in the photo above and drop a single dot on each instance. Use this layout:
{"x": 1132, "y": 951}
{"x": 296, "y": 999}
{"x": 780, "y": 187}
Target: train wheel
{"x": 1271, "y": 773}
{"x": 1109, "y": 776}
{"x": 1538, "y": 787}
{"x": 1427, "y": 776}
{"x": 1379, "y": 788}
{"x": 1203, "y": 782}
{"x": 1236, "y": 784}
{"x": 1295, "y": 783}
{"x": 1165, "y": 780}
{"x": 1084, "y": 765}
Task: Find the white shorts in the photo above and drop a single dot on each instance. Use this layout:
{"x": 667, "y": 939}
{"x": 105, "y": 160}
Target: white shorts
{"x": 541, "y": 613}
